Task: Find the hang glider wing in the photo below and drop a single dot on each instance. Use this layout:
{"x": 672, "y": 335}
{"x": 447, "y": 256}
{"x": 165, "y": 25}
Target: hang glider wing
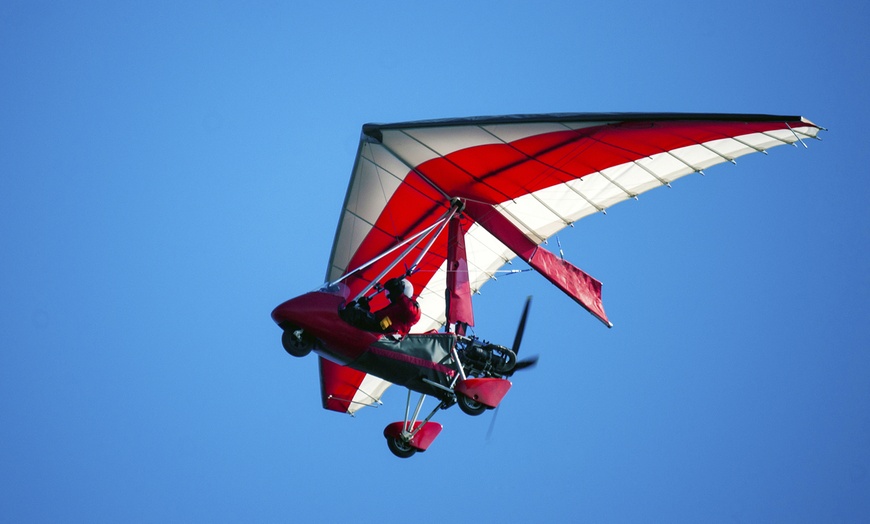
{"x": 523, "y": 178}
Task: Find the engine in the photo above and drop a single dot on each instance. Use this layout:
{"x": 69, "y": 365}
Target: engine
{"x": 483, "y": 359}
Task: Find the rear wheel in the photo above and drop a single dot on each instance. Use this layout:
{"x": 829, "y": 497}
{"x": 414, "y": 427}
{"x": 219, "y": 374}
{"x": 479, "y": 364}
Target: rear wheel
{"x": 400, "y": 447}
{"x": 297, "y": 342}
{"x": 469, "y": 405}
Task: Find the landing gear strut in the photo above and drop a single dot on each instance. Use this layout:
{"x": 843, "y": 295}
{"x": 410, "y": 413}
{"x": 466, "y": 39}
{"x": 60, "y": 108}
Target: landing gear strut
{"x": 407, "y": 437}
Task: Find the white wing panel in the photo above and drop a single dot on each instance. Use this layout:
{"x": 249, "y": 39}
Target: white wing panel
{"x": 486, "y": 255}
{"x": 352, "y": 230}
{"x": 431, "y": 300}
{"x": 379, "y": 163}
{"x": 510, "y": 132}
{"x": 667, "y": 167}
{"x": 446, "y": 140}
{"x": 369, "y": 393}
{"x": 411, "y": 151}
{"x": 633, "y": 178}
{"x": 373, "y": 187}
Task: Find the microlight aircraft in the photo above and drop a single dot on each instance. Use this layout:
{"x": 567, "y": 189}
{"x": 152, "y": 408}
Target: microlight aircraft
{"x": 445, "y": 204}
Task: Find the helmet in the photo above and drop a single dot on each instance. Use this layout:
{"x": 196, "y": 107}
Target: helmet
{"x": 399, "y": 286}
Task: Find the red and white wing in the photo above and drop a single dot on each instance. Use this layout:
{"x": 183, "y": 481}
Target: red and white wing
{"x": 524, "y": 178}
{"x": 347, "y": 390}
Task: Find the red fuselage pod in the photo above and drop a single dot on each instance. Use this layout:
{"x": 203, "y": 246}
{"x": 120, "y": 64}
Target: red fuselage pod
{"x": 415, "y": 361}
{"x": 317, "y": 314}
{"x": 487, "y": 391}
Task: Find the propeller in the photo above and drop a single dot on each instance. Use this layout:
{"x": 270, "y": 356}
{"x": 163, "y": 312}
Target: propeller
{"x": 522, "y": 327}
{"x": 518, "y": 339}
{"x": 521, "y": 364}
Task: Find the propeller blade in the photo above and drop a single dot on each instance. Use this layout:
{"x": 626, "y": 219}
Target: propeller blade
{"x": 526, "y": 363}
{"x": 492, "y": 424}
{"x": 522, "y": 327}
{"x": 523, "y": 364}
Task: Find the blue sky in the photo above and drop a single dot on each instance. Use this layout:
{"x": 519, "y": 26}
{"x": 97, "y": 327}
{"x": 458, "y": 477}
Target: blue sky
{"x": 169, "y": 174}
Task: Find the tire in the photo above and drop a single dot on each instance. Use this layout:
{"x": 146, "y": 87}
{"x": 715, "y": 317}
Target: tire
{"x": 400, "y": 448}
{"x": 470, "y": 406}
{"x": 296, "y": 342}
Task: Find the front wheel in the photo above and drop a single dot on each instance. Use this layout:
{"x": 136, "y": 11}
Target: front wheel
{"x": 400, "y": 448}
{"x": 470, "y": 406}
{"x": 297, "y": 342}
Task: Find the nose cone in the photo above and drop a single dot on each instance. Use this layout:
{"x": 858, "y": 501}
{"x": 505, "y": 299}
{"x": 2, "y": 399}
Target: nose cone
{"x": 283, "y": 314}
{"x": 311, "y": 310}
{"x": 317, "y": 313}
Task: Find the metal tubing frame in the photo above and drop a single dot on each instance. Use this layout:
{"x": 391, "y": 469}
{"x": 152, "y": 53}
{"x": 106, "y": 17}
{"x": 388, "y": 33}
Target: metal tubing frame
{"x": 409, "y": 425}
{"x": 395, "y": 262}
{"x": 426, "y": 420}
{"x": 441, "y": 221}
{"x": 387, "y": 252}
{"x": 439, "y": 386}
{"x": 445, "y": 221}
{"x": 455, "y": 355}
{"x": 409, "y": 431}
{"x": 407, "y": 409}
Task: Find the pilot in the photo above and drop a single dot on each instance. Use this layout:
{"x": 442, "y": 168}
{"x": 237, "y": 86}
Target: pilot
{"x": 402, "y": 312}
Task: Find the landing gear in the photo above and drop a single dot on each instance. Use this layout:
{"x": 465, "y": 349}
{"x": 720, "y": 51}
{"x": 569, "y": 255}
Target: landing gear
{"x": 400, "y": 447}
{"x": 470, "y": 406}
{"x": 407, "y": 437}
{"x": 479, "y": 382}
{"x": 297, "y": 342}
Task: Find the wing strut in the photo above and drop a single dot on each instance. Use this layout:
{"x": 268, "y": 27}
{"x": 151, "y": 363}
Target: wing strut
{"x": 454, "y": 207}
{"x": 387, "y": 252}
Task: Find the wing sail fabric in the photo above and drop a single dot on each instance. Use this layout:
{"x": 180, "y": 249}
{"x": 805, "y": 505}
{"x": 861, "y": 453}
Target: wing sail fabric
{"x": 347, "y": 390}
{"x": 541, "y": 172}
